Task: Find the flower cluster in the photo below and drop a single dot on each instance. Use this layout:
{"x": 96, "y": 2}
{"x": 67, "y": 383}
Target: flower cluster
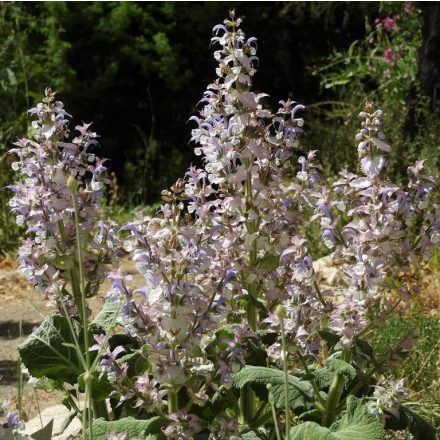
{"x": 43, "y": 203}
{"x": 387, "y": 398}
{"x": 388, "y": 23}
{"x": 239, "y": 197}
{"x": 227, "y": 278}
{"x": 374, "y": 245}
{"x": 225, "y": 248}
{"x": 13, "y": 428}
{"x": 348, "y": 320}
{"x": 183, "y": 426}
{"x": 391, "y": 56}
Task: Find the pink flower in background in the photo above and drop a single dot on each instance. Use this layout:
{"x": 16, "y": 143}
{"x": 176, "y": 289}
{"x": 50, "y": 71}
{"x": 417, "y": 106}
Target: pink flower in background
{"x": 389, "y": 23}
{"x": 388, "y": 56}
{"x": 408, "y": 7}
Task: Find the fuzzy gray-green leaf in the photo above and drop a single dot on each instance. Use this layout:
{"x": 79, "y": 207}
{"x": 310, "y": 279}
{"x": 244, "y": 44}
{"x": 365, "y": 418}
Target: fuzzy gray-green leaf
{"x": 134, "y": 428}
{"x": 48, "y": 351}
{"x": 324, "y": 376}
{"x": 357, "y": 423}
{"x": 300, "y": 392}
{"x": 310, "y": 431}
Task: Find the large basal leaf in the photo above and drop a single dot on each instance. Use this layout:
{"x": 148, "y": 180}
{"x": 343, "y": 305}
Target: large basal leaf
{"x": 356, "y": 424}
{"x": 300, "y": 392}
{"x": 417, "y": 425}
{"x": 310, "y": 431}
{"x": 45, "y": 352}
{"x": 134, "y": 428}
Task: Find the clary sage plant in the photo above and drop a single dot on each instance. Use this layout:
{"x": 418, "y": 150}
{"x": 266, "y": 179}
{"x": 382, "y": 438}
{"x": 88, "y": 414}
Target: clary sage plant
{"x": 230, "y": 335}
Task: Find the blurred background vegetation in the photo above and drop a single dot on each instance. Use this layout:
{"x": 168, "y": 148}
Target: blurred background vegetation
{"x": 137, "y": 70}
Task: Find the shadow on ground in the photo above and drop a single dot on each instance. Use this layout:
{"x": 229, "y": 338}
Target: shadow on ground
{"x": 13, "y": 329}
{"x": 8, "y": 372}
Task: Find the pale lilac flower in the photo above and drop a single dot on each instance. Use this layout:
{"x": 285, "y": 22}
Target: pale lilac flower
{"x": 148, "y": 392}
{"x": 182, "y": 426}
{"x": 387, "y": 398}
{"x": 223, "y": 428}
{"x": 348, "y": 320}
{"x": 14, "y": 421}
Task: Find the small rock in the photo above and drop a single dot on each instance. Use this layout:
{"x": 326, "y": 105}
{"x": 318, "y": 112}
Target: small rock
{"x": 58, "y": 413}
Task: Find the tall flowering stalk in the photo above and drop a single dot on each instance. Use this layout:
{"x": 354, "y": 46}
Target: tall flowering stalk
{"x": 252, "y": 218}
{"x": 369, "y": 221}
{"x": 225, "y": 249}
{"x": 68, "y": 246}
{"x": 43, "y": 204}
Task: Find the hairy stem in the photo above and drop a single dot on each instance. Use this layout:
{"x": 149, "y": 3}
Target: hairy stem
{"x": 334, "y": 395}
{"x": 286, "y": 376}
{"x": 274, "y": 412}
{"x": 90, "y": 405}
{"x": 173, "y": 404}
{"x": 247, "y": 397}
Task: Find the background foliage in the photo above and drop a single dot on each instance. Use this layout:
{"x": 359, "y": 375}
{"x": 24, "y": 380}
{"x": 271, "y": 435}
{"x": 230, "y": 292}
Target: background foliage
{"x": 138, "y": 69}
